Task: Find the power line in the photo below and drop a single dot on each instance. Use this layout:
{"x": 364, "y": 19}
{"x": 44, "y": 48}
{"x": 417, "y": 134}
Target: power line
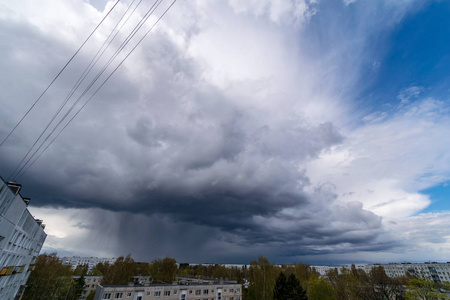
{"x": 122, "y": 46}
{"x": 56, "y": 77}
{"x": 77, "y": 84}
{"x": 23, "y": 169}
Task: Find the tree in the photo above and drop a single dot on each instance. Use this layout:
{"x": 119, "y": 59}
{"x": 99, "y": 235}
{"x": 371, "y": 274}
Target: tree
{"x": 102, "y": 268}
{"x": 320, "y": 289}
{"x": 121, "y": 272}
{"x": 81, "y": 270}
{"x": 422, "y": 289}
{"x": 164, "y": 270}
{"x": 345, "y": 285}
{"x": 50, "y": 279}
{"x": 76, "y": 289}
{"x": 281, "y": 287}
{"x": 288, "y": 289}
{"x": 90, "y": 296}
{"x": 294, "y": 289}
{"x": 262, "y": 279}
{"x": 377, "y": 285}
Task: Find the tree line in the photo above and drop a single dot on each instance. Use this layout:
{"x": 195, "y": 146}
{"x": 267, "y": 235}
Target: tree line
{"x": 262, "y": 280}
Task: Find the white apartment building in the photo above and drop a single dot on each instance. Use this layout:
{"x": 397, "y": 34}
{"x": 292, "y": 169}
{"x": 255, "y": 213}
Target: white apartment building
{"x": 210, "y": 291}
{"x": 74, "y": 261}
{"x": 21, "y": 240}
{"x": 90, "y": 284}
{"x": 437, "y": 272}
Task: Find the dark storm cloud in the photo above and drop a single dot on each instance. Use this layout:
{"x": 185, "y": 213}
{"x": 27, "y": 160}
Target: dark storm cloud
{"x": 179, "y": 163}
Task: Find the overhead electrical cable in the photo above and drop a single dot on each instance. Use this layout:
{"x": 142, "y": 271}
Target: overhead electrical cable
{"x": 57, "y": 75}
{"x": 28, "y": 165}
{"x": 87, "y": 70}
{"x": 77, "y": 84}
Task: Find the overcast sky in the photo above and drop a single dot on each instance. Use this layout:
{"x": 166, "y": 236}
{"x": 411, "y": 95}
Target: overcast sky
{"x": 305, "y": 130}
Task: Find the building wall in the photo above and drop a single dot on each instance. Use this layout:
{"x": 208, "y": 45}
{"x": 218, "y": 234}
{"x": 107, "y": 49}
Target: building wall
{"x": 171, "y": 292}
{"x": 21, "y": 240}
{"x": 74, "y": 261}
{"x": 437, "y": 272}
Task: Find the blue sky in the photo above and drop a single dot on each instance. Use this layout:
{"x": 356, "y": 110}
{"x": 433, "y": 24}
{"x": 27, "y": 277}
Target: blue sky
{"x": 416, "y": 54}
{"x": 306, "y": 131}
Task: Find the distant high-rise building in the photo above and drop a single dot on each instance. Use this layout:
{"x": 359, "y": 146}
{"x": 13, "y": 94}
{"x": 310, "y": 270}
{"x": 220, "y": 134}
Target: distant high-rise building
{"x": 21, "y": 240}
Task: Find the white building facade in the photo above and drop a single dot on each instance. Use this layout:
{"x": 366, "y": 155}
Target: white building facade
{"x": 21, "y": 240}
{"x": 211, "y": 291}
{"x": 74, "y": 261}
{"x": 437, "y": 272}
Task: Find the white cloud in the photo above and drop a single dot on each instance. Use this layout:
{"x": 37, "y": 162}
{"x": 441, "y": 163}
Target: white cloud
{"x": 385, "y": 164}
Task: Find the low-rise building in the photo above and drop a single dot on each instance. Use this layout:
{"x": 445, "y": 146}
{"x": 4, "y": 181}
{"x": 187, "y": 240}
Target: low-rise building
{"x": 210, "y": 291}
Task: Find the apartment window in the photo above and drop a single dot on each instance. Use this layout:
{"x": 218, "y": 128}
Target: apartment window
{"x": 149, "y": 293}
{"x": 198, "y": 292}
{"x": 166, "y": 293}
{"x": 175, "y": 292}
{"x": 129, "y": 295}
{"x": 231, "y": 290}
{"x": 190, "y": 291}
{"x": 106, "y": 296}
{"x": 238, "y": 290}
{"x": 238, "y": 298}
{"x": 205, "y": 292}
{"x": 231, "y": 298}
{"x": 119, "y": 295}
{"x": 224, "y": 290}
{"x": 158, "y": 294}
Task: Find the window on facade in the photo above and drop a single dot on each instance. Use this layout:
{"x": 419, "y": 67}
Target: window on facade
{"x": 175, "y": 292}
{"x": 106, "y": 296}
{"x": 205, "y": 292}
{"x": 198, "y": 292}
{"x": 238, "y": 290}
{"x": 129, "y": 295}
{"x": 166, "y": 293}
{"x": 157, "y": 294}
{"x": 231, "y": 290}
{"x": 119, "y": 295}
{"x": 149, "y": 293}
{"x": 231, "y": 298}
{"x": 190, "y": 292}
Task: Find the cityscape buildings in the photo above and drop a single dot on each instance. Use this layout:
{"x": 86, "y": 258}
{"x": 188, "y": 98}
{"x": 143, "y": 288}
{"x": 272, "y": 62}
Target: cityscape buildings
{"x": 212, "y": 290}
{"x": 21, "y": 239}
{"x": 74, "y": 261}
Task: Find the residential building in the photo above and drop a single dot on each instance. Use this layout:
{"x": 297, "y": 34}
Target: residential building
{"x": 21, "y": 240}
{"x": 218, "y": 290}
{"x": 437, "y": 272}
{"x": 90, "y": 284}
{"x": 74, "y": 261}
